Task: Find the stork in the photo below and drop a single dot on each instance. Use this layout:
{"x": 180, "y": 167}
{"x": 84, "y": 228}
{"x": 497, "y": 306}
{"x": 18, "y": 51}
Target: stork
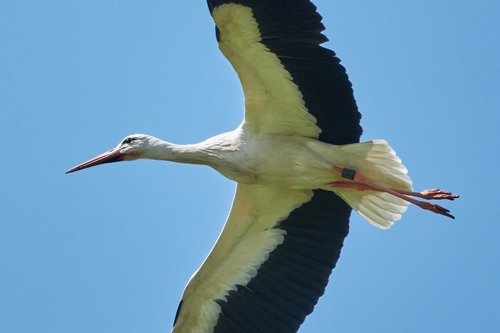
{"x": 299, "y": 169}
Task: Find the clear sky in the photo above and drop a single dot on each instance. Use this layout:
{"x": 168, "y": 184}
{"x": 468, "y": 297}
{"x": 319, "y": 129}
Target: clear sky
{"x": 110, "y": 249}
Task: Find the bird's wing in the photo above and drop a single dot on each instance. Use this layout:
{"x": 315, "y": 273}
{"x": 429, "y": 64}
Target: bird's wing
{"x": 273, "y": 259}
{"x": 292, "y": 85}
{"x": 270, "y": 264}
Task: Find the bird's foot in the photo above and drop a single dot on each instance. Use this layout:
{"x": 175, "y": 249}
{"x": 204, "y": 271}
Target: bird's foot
{"x": 432, "y": 194}
{"x": 434, "y": 208}
{"x": 437, "y": 194}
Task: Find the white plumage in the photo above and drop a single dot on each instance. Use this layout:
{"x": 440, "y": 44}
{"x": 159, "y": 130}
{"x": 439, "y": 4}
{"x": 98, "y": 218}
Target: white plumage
{"x": 294, "y": 155}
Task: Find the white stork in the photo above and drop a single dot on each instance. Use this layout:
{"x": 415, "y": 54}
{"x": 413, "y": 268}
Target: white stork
{"x": 299, "y": 170}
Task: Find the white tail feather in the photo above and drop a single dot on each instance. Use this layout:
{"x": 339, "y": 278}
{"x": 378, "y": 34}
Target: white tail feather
{"x": 378, "y": 208}
{"x": 378, "y": 162}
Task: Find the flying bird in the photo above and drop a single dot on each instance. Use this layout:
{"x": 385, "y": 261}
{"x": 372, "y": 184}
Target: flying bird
{"x": 299, "y": 167}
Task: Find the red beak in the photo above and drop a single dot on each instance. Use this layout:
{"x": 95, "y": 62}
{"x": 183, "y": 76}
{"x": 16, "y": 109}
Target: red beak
{"x": 110, "y": 156}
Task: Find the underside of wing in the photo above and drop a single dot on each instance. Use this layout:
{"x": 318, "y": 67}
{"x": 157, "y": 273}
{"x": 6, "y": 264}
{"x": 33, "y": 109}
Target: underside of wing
{"x": 270, "y": 264}
{"x": 274, "y": 257}
{"x": 292, "y": 85}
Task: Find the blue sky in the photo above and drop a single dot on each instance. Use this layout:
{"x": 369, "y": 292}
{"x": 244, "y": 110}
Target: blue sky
{"x": 110, "y": 249}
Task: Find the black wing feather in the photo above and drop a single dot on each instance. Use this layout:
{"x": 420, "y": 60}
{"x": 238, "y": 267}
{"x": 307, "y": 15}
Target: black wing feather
{"x": 293, "y": 31}
{"x": 290, "y": 282}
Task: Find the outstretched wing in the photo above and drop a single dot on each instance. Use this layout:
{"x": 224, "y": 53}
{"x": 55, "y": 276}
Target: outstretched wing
{"x": 273, "y": 259}
{"x": 270, "y": 264}
{"x": 292, "y": 85}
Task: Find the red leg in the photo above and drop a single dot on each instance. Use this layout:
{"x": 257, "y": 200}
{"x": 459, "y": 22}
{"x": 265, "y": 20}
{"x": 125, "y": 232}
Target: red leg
{"x": 353, "y": 185}
{"x": 360, "y": 183}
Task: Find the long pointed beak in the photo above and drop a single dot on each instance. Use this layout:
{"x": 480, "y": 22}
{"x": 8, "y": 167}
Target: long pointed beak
{"x": 110, "y": 156}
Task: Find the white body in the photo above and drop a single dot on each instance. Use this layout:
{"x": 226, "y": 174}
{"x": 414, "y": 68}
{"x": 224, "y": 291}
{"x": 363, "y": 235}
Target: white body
{"x": 279, "y": 159}
{"x": 295, "y": 163}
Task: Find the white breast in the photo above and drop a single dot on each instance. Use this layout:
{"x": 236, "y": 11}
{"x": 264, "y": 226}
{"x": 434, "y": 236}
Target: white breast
{"x": 284, "y": 161}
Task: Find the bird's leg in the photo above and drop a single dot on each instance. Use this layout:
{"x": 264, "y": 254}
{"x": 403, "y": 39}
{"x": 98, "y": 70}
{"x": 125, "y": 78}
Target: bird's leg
{"x": 360, "y": 183}
{"x": 432, "y": 194}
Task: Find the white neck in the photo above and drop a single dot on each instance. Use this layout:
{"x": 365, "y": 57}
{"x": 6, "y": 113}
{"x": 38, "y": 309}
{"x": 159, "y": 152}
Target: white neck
{"x": 209, "y": 152}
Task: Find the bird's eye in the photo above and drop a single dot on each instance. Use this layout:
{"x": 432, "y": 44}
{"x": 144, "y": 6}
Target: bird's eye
{"x": 128, "y": 140}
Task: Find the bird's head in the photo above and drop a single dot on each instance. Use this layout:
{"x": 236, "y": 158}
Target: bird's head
{"x": 132, "y": 147}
